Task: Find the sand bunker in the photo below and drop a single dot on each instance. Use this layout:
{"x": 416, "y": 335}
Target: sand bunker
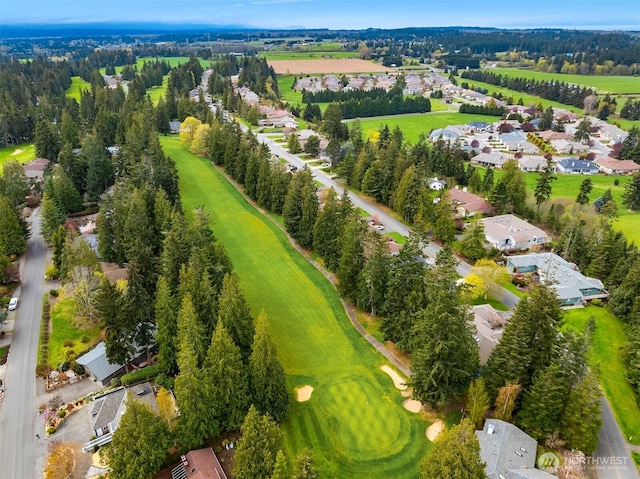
{"x": 304, "y": 393}
{"x": 398, "y": 381}
{"x": 17, "y": 152}
{"x": 435, "y": 429}
{"x": 412, "y": 405}
{"x": 407, "y": 393}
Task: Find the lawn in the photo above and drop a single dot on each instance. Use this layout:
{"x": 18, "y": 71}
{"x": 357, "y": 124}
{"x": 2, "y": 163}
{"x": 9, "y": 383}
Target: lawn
{"x": 173, "y": 62}
{"x": 64, "y": 328}
{"x": 606, "y": 356}
{"x": 354, "y": 422}
{"x": 620, "y": 85}
{"x": 77, "y": 84}
{"x": 20, "y": 153}
{"x": 157, "y": 92}
{"x": 415, "y": 124}
{"x": 567, "y": 186}
{"x": 306, "y": 55}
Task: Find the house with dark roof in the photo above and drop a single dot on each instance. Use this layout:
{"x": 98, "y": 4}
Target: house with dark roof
{"x": 577, "y": 167}
{"x": 508, "y": 232}
{"x": 199, "y": 464}
{"x": 96, "y": 362}
{"x": 573, "y": 288}
{"x": 508, "y": 452}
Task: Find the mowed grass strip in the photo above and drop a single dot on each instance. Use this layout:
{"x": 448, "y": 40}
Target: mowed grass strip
{"x": 20, "y": 153}
{"x": 354, "y": 421}
{"x": 412, "y": 125}
{"x": 608, "y": 341}
{"x": 77, "y": 84}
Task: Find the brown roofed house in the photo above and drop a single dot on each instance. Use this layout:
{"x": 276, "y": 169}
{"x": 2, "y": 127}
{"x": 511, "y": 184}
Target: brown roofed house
{"x": 468, "y": 204}
{"x": 199, "y": 464}
{"x": 611, "y": 166}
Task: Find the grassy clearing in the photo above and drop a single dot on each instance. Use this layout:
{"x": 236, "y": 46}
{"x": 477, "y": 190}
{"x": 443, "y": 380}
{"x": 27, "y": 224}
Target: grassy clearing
{"x": 397, "y": 237}
{"x": 157, "y": 92}
{"x": 636, "y": 458}
{"x": 606, "y": 356}
{"x": 20, "y": 153}
{"x": 77, "y": 84}
{"x": 173, "y": 62}
{"x": 413, "y": 125}
{"x": 493, "y": 302}
{"x": 621, "y": 85}
{"x": 354, "y": 422}
{"x": 63, "y": 330}
{"x": 567, "y": 186}
{"x": 307, "y": 55}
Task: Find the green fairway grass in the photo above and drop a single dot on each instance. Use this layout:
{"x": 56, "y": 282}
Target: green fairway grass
{"x": 173, "y": 62}
{"x": 315, "y": 55}
{"x": 354, "y": 422}
{"x": 567, "y": 186}
{"x": 77, "y": 84}
{"x": 606, "y": 356}
{"x": 157, "y": 92}
{"x": 621, "y": 85}
{"x": 26, "y": 153}
{"x": 414, "y": 124}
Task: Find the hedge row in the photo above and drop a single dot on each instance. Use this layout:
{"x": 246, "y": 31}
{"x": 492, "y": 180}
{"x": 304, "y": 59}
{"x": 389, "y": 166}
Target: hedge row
{"x": 42, "y": 369}
{"x": 140, "y": 375}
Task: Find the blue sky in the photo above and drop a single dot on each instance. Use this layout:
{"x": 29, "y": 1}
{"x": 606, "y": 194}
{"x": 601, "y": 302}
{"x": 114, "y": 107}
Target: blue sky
{"x": 351, "y": 14}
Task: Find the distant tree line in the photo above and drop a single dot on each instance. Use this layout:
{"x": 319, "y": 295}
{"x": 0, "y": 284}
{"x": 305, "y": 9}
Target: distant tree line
{"x": 561, "y": 92}
{"x": 482, "y": 109}
{"x": 631, "y": 110}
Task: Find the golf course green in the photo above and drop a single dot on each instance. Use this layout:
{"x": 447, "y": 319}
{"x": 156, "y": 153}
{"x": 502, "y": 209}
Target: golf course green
{"x": 354, "y": 421}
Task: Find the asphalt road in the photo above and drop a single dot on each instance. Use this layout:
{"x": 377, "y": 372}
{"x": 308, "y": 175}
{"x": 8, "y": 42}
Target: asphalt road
{"x": 19, "y": 423}
{"x": 611, "y": 459}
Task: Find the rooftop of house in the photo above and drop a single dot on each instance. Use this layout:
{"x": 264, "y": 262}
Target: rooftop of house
{"x": 470, "y": 201}
{"x": 96, "y": 361}
{"x": 199, "y": 464}
{"x": 489, "y": 323}
{"x": 575, "y": 163}
{"x": 113, "y": 272}
{"x": 37, "y": 164}
{"x": 104, "y": 409}
{"x": 558, "y": 273}
{"x": 554, "y": 135}
{"x": 495, "y": 157}
{"x": 622, "y": 165}
{"x": 508, "y": 452}
{"x": 504, "y": 226}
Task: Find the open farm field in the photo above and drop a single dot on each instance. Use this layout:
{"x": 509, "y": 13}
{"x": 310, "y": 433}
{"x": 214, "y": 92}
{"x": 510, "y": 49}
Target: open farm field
{"x": 620, "y": 85}
{"x": 606, "y": 357}
{"x": 320, "y": 65}
{"x": 354, "y": 421}
{"x": 412, "y": 125}
{"x": 307, "y": 55}
{"x": 21, "y": 153}
{"x": 567, "y": 186}
{"x": 77, "y": 84}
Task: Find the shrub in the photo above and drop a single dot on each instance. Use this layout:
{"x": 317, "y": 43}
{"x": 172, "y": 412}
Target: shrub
{"x": 616, "y": 182}
{"x": 140, "y": 375}
{"x": 77, "y": 368}
{"x": 518, "y": 281}
{"x": 51, "y": 272}
{"x": 62, "y": 413}
{"x": 42, "y": 370}
{"x": 115, "y": 382}
{"x": 597, "y": 302}
{"x": 54, "y": 292}
{"x": 51, "y": 430}
{"x": 163, "y": 380}
{"x": 68, "y": 343}
{"x": 84, "y": 339}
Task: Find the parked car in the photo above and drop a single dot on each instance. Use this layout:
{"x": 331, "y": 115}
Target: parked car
{"x": 13, "y": 304}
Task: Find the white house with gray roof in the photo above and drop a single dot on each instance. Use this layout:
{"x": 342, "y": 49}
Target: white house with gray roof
{"x": 508, "y": 232}
{"x": 508, "y": 452}
{"x": 572, "y": 287}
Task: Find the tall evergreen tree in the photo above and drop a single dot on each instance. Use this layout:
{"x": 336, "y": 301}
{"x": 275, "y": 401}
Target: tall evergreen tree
{"x": 228, "y": 382}
{"x": 583, "y": 194}
{"x": 14, "y": 184}
{"x": 456, "y": 454}
{"x": 52, "y": 217}
{"x": 197, "y": 417}
{"x": 119, "y": 331}
{"x": 268, "y": 382}
{"x": 235, "y": 314}
{"x": 351, "y": 257}
{"x": 473, "y": 241}
{"x": 304, "y": 468}
{"x": 13, "y": 238}
{"x": 167, "y": 321}
{"x": 528, "y": 341}
{"x": 445, "y": 355}
{"x": 373, "y": 280}
{"x": 582, "y": 417}
{"x": 631, "y": 195}
{"x": 444, "y": 227}
{"x": 326, "y": 232}
{"x": 281, "y": 467}
{"x": 301, "y": 208}
{"x": 257, "y": 447}
{"x": 542, "y": 191}
{"x": 140, "y": 444}
{"x": 47, "y": 142}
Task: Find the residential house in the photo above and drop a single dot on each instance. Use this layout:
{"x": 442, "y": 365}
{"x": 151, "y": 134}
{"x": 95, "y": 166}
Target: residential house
{"x": 572, "y": 286}
{"x": 468, "y": 204}
{"x": 508, "y": 452}
{"x": 34, "y": 169}
{"x": 508, "y": 232}
{"x": 174, "y": 127}
{"x": 277, "y": 118}
{"x": 549, "y": 135}
{"x": 101, "y": 369}
{"x": 443, "y": 134}
{"x": 611, "y": 166}
{"x": 494, "y": 159}
{"x": 436, "y": 184}
{"x": 533, "y": 163}
{"x": 567, "y": 147}
{"x": 489, "y": 323}
{"x": 479, "y": 126}
{"x": 106, "y": 410}
{"x": 199, "y": 464}
{"x": 114, "y": 272}
{"x": 577, "y": 167}
{"x": 517, "y": 142}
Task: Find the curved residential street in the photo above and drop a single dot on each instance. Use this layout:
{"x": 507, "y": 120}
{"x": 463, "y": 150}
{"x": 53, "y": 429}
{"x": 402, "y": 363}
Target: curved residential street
{"x": 612, "y": 458}
{"x": 19, "y": 423}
